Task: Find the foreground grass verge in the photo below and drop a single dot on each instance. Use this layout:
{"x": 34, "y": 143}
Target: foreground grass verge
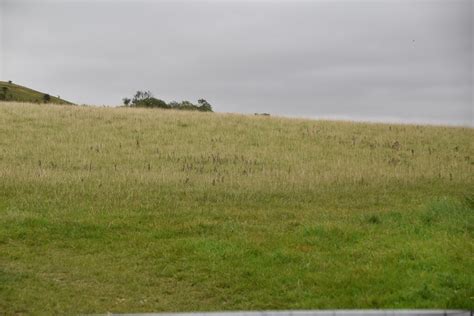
{"x": 133, "y": 210}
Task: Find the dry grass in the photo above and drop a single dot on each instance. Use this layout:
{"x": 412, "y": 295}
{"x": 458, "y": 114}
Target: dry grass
{"x": 235, "y": 151}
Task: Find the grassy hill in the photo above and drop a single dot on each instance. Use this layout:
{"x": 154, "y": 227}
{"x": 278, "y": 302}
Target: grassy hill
{"x": 136, "y": 210}
{"x": 14, "y": 92}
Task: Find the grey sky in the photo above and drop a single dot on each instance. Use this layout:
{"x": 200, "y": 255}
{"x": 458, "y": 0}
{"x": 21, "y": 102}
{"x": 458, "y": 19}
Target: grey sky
{"x": 398, "y": 60}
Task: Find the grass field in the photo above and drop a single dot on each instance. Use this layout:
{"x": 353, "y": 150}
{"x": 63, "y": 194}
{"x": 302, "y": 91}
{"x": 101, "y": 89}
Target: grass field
{"x": 14, "y": 92}
{"x": 135, "y": 210}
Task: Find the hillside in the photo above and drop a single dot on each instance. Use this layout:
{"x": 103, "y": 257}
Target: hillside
{"x": 14, "y": 92}
{"x": 137, "y": 210}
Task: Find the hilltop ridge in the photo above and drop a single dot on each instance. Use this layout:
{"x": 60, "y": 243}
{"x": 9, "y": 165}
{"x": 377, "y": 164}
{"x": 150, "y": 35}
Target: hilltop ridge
{"x": 10, "y": 91}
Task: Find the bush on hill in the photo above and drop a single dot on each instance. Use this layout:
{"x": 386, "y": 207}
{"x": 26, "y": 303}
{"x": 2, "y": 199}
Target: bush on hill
{"x": 147, "y": 100}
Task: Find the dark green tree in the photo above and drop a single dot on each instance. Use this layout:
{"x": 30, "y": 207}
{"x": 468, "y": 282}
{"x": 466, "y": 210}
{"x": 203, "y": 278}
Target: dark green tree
{"x": 146, "y": 99}
{"x": 126, "y": 101}
{"x": 140, "y": 97}
{"x": 46, "y": 98}
{"x": 204, "y": 106}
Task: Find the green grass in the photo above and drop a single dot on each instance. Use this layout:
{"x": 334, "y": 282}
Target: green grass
{"x": 16, "y": 93}
{"x": 136, "y": 210}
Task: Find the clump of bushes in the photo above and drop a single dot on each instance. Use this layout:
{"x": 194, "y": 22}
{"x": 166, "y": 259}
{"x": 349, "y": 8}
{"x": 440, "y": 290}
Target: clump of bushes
{"x": 147, "y": 100}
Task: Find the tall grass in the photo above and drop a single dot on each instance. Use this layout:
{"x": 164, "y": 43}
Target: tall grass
{"x": 105, "y": 209}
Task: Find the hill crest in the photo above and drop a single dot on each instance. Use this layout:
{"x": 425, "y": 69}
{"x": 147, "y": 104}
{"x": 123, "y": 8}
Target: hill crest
{"x": 10, "y": 91}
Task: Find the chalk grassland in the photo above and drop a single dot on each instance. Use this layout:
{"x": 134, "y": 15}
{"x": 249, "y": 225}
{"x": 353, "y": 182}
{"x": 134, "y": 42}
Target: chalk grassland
{"x": 136, "y": 210}
{"x": 15, "y": 92}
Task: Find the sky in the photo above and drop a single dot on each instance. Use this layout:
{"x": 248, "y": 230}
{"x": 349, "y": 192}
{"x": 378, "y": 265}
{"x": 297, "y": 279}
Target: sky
{"x": 369, "y": 60}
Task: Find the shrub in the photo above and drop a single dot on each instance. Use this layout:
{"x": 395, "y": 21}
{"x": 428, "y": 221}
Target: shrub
{"x": 204, "y": 106}
{"x": 126, "y": 101}
{"x": 46, "y": 98}
{"x": 146, "y": 99}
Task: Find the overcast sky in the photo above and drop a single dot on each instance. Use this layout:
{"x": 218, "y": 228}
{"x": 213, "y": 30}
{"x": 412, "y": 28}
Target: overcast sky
{"x": 396, "y": 60}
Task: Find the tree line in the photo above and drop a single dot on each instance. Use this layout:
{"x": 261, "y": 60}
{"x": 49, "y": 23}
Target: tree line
{"x": 147, "y": 100}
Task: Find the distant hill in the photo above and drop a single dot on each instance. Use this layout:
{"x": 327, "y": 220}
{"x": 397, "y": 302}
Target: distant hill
{"x": 13, "y": 92}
